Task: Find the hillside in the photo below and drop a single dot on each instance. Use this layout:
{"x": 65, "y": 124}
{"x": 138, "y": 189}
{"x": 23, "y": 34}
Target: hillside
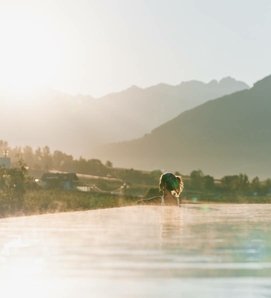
{"x": 75, "y": 123}
{"x": 228, "y": 135}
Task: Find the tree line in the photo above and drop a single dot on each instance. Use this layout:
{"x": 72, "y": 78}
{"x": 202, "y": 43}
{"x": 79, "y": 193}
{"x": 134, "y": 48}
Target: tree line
{"x": 239, "y": 184}
{"x": 44, "y": 160}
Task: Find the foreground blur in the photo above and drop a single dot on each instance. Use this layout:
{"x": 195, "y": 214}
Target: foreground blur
{"x": 143, "y": 251}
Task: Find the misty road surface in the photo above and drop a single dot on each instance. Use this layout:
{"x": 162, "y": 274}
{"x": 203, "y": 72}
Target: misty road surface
{"x": 215, "y": 250}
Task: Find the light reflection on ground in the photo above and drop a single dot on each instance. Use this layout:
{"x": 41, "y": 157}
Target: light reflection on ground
{"x": 143, "y": 251}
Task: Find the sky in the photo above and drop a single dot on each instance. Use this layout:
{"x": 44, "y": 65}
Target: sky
{"x": 95, "y": 47}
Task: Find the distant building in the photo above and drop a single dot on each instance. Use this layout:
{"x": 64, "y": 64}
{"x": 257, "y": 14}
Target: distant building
{"x": 66, "y": 181}
{"x": 5, "y": 161}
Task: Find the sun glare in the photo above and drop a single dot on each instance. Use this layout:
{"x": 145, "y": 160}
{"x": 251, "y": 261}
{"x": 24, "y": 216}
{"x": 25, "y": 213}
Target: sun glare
{"x": 30, "y": 52}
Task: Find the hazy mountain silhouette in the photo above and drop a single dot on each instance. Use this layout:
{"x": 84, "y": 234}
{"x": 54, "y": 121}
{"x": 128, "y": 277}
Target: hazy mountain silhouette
{"x": 75, "y": 123}
{"x": 135, "y": 111}
{"x": 228, "y": 135}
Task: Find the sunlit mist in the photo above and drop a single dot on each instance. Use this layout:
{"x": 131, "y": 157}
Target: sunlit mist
{"x": 30, "y": 52}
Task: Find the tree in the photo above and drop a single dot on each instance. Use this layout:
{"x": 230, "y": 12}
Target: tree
{"x": 255, "y": 185}
{"x": 97, "y": 167}
{"x": 38, "y": 158}
{"x": 156, "y": 174}
{"x": 58, "y": 159}
{"x": 47, "y": 159}
{"x": 152, "y": 192}
{"x": 109, "y": 164}
{"x": 267, "y": 186}
{"x": 208, "y": 182}
{"x": 13, "y": 182}
{"x": 238, "y": 183}
{"x": 243, "y": 183}
{"x": 28, "y": 155}
{"x": 229, "y": 183}
{"x": 197, "y": 179}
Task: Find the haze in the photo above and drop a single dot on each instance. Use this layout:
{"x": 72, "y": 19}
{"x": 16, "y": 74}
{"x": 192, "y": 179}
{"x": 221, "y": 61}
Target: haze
{"x": 98, "y": 47}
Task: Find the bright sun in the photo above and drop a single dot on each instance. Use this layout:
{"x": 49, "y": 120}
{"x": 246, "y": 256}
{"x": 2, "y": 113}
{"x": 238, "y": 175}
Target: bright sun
{"x": 30, "y": 51}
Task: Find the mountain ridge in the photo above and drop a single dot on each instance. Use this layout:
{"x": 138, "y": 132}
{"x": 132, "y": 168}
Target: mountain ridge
{"x": 76, "y": 123}
{"x": 221, "y": 136}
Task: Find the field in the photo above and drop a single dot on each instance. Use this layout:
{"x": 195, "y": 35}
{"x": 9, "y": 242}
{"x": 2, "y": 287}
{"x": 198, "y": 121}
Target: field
{"x": 52, "y": 201}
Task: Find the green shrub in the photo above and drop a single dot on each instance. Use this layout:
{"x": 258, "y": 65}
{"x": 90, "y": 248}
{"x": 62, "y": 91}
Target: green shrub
{"x": 152, "y": 192}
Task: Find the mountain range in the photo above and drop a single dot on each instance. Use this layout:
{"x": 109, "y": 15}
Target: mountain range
{"x": 227, "y": 135}
{"x": 75, "y": 124}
